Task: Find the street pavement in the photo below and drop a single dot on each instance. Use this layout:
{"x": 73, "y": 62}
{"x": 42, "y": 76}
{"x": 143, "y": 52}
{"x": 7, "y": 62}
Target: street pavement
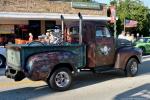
{"x": 2, "y": 71}
{"x": 86, "y": 86}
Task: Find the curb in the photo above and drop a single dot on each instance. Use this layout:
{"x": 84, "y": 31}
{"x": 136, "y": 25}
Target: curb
{"x": 146, "y": 56}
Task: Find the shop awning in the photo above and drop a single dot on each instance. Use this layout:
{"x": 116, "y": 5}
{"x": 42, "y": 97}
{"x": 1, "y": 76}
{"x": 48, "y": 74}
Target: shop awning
{"x": 49, "y": 16}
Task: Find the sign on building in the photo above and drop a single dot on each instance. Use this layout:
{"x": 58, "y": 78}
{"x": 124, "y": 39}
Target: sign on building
{"x": 6, "y": 29}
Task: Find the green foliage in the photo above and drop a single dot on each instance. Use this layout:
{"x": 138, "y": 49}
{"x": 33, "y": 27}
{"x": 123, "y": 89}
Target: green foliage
{"x": 134, "y": 9}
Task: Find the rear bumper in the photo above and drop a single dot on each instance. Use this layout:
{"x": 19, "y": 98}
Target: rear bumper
{"x": 14, "y": 74}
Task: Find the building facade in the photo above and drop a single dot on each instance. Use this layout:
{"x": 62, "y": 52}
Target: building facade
{"x": 19, "y": 17}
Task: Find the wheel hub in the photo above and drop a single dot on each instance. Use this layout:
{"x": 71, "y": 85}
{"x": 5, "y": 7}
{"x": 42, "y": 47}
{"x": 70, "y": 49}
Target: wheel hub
{"x": 134, "y": 67}
{"x": 62, "y": 79}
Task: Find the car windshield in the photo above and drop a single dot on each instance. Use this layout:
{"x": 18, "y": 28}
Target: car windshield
{"x": 144, "y": 40}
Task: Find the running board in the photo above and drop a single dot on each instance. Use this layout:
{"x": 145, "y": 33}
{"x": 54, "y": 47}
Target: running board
{"x": 106, "y": 71}
{"x": 103, "y": 69}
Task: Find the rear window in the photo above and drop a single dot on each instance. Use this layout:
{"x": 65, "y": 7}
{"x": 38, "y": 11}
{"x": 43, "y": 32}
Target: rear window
{"x": 74, "y": 30}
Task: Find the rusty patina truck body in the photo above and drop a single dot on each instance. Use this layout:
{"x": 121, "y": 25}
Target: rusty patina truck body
{"x": 97, "y": 50}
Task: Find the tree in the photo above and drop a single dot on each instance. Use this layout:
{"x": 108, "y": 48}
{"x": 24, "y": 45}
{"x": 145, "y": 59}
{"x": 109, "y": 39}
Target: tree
{"x": 134, "y": 9}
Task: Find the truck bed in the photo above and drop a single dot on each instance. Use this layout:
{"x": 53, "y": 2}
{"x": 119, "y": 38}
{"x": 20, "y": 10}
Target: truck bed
{"x": 18, "y": 54}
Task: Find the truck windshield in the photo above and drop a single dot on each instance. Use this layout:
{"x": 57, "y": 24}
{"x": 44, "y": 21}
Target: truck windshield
{"x": 102, "y": 32}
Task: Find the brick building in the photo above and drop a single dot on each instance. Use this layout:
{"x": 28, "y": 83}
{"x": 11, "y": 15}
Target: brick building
{"x": 19, "y": 17}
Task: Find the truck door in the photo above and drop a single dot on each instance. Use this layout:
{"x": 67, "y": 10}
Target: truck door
{"x": 104, "y": 47}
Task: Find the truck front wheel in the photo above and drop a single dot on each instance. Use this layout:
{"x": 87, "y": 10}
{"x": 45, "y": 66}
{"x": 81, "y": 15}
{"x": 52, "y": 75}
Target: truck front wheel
{"x": 131, "y": 67}
{"x": 60, "y": 79}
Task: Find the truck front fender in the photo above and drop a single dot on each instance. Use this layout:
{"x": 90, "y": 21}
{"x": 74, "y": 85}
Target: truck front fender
{"x": 124, "y": 54}
{"x": 39, "y": 66}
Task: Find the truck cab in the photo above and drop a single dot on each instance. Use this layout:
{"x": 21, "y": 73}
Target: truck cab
{"x": 87, "y": 44}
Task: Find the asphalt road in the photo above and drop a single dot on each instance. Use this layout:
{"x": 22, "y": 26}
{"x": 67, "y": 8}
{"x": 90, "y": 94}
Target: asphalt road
{"x": 86, "y": 86}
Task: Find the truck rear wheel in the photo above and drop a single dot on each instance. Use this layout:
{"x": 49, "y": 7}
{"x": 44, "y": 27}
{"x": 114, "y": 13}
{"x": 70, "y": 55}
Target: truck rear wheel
{"x": 60, "y": 79}
{"x": 131, "y": 67}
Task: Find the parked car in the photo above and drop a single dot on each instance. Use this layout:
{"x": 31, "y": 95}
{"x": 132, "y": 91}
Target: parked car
{"x": 2, "y": 56}
{"x": 144, "y": 44}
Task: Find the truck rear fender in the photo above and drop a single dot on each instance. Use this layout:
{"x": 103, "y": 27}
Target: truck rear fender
{"x": 40, "y": 66}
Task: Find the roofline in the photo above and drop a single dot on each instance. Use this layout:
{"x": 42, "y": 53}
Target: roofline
{"x": 49, "y": 16}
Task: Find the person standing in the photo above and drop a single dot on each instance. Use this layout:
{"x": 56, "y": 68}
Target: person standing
{"x": 128, "y": 36}
{"x": 30, "y": 37}
{"x": 133, "y": 39}
{"x": 122, "y": 35}
{"x": 47, "y": 37}
{"x": 53, "y": 38}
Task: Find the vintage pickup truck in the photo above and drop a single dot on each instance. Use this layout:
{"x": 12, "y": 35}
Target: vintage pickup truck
{"x": 88, "y": 45}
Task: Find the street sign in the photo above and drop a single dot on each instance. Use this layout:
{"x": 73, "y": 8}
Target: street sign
{"x": 84, "y": 5}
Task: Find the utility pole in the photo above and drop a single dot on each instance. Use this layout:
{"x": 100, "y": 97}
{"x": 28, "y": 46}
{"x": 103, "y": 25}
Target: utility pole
{"x": 124, "y": 24}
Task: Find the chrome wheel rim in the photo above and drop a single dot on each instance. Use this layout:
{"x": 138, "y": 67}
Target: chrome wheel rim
{"x": 62, "y": 79}
{"x": 134, "y": 67}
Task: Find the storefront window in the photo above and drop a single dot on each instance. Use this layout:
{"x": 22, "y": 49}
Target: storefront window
{"x": 6, "y": 34}
{"x": 50, "y": 25}
{"x": 21, "y": 31}
{"x": 35, "y": 28}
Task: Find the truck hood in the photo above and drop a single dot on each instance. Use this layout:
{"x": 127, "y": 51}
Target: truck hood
{"x": 123, "y": 43}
